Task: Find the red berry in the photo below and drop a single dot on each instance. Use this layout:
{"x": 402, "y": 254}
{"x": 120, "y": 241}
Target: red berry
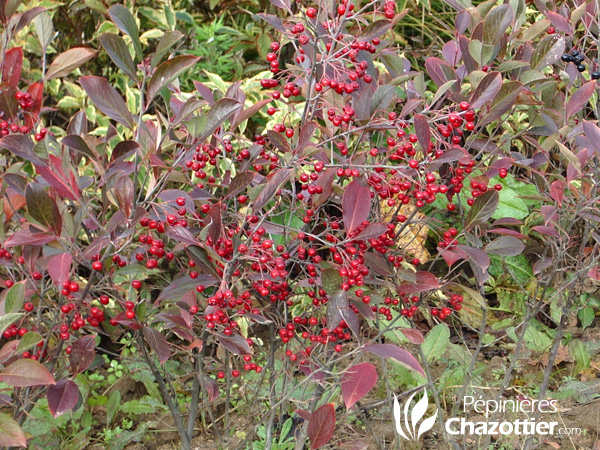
{"x": 311, "y": 12}
{"x": 464, "y": 106}
{"x": 97, "y": 266}
{"x": 137, "y": 284}
{"x": 130, "y": 314}
{"x": 28, "y": 306}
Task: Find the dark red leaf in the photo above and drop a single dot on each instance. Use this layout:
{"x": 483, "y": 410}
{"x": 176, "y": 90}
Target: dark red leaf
{"x": 26, "y": 373}
{"x": 279, "y": 141}
{"x": 479, "y": 261}
{"x": 486, "y": 90}
{"x": 546, "y": 230}
{"x": 426, "y": 281}
{"x": 505, "y": 246}
{"x": 107, "y": 99}
{"x": 592, "y": 133}
{"x": 374, "y": 230}
{"x": 307, "y": 132}
{"x": 62, "y": 397}
{"x": 239, "y": 183}
{"x": 235, "y": 343}
{"x": 357, "y": 382}
{"x": 580, "y": 98}
{"x": 122, "y": 319}
{"x": 483, "y": 208}
{"x": 376, "y": 29}
{"x": 13, "y": 63}
{"x": 158, "y": 343}
{"x": 123, "y": 193}
{"x": 26, "y": 237}
{"x": 222, "y": 110}
{"x": 356, "y": 205}
{"x": 37, "y": 91}
{"x": 507, "y": 232}
{"x": 399, "y": 354}
{"x": 422, "y": 131}
{"x": 321, "y": 426}
{"x": 167, "y": 72}
{"x": 59, "y": 268}
{"x": 43, "y": 208}
{"x": 559, "y": 22}
{"x": 59, "y": 184}
{"x": 83, "y": 353}
{"x": 242, "y": 115}
{"x": 275, "y": 181}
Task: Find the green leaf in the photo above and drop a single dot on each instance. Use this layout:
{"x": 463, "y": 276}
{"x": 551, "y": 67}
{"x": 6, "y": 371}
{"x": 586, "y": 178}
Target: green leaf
{"x": 382, "y": 98}
{"x": 510, "y": 205}
{"x": 167, "y": 72}
{"x": 7, "y": 319}
{"x": 125, "y": 22}
{"x": 436, "y": 342}
{"x": 586, "y": 317}
{"x": 496, "y": 23}
{"x": 15, "y": 298}
{"x": 517, "y": 266}
{"x": 119, "y": 53}
{"x": 29, "y": 339}
{"x": 114, "y": 402}
{"x": 44, "y": 29}
{"x": 331, "y": 281}
{"x": 580, "y": 355}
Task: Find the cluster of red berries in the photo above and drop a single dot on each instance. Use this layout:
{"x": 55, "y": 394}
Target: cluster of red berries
{"x": 390, "y": 9}
{"x": 455, "y": 303}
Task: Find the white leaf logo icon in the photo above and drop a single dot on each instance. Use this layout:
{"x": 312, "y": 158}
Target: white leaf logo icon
{"x": 409, "y": 431}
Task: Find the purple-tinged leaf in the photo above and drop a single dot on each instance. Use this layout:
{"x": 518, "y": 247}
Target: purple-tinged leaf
{"x": 235, "y": 343}
{"x": 363, "y": 309}
{"x": 546, "y": 231}
{"x": 496, "y": 23}
{"x": 373, "y": 230}
{"x": 11, "y": 434}
{"x": 592, "y": 133}
{"x": 43, "y": 208}
{"x": 282, "y": 4}
{"x": 357, "y": 382}
{"x": 321, "y": 426}
{"x": 26, "y": 373}
{"x": 355, "y": 445}
{"x": 239, "y": 183}
{"x": 398, "y": 354}
{"x": 326, "y": 182}
{"x": 548, "y": 51}
{"x": 158, "y": 343}
{"x": 580, "y": 98}
{"x": 167, "y": 72}
{"x": 119, "y": 53}
{"x": 83, "y": 353}
{"x": 505, "y": 246}
{"x": 62, "y": 397}
{"x": 107, "y": 99}
{"x": 125, "y": 22}
{"x": 211, "y": 387}
{"x": 413, "y": 335}
{"x": 479, "y": 261}
{"x": 58, "y": 183}
{"x": 376, "y": 29}
{"x": 123, "y": 193}
{"x": 68, "y": 61}
{"x": 307, "y": 132}
{"x": 559, "y": 22}
{"x": 219, "y": 112}
{"x": 486, "y": 90}
{"x": 278, "y": 141}
{"x": 122, "y": 319}
{"x": 59, "y": 268}
{"x": 422, "y": 131}
{"x": 356, "y": 205}
{"x": 8, "y": 350}
{"x": 508, "y": 232}
{"x": 541, "y": 264}
{"x": 182, "y": 234}
{"x": 483, "y": 208}
{"x": 181, "y": 286}
{"x": 272, "y": 20}
{"x": 437, "y": 70}
{"x": 275, "y": 181}
{"x": 257, "y": 318}
{"x": 379, "y": 264}
{"x": 425, "y": 281}
{"x": 504, "y": 101}
{"x": 240, "y": 116}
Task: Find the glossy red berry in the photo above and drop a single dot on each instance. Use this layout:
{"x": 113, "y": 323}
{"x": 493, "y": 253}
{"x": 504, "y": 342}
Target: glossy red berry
{"x": 97, "y": 266}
